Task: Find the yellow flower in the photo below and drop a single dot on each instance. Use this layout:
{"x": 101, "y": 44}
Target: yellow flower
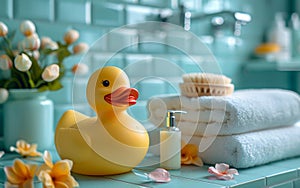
{"x": 50, "y": 73}
{"x": 20, "y": 174}
{"x": 3, "y": 29}
{"x": 25, "y": 149}
{"x": 56, "y": 175}
{"x": 22, "y": 62}
{"x": 189, "y": 155}
{"x": 27, "y": 27}
{"x": 71, "y": 36}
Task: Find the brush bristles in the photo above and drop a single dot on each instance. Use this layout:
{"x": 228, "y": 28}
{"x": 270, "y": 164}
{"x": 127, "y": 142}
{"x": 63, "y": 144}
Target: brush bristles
{"x": 206, "y": 78}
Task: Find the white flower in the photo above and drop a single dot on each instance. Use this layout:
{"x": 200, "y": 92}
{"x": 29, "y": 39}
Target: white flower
{"x": 80, "y": 69}
{"x": 5, "y": 62}
{"x": 31, "y": 42}
{"x": 3, "y": 29}
{"x": 50, "y": 73}
{"x": 3, "y": 96}
{"x": 80, "y": 48}
{"x": 22, "y": 62}
{"x": 27, "y": 27}
{"x": 71, "y": 36}
{"x": 48, "y": 43}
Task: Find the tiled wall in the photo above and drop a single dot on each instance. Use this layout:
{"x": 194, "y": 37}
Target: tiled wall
{"x": 153, "y": 68}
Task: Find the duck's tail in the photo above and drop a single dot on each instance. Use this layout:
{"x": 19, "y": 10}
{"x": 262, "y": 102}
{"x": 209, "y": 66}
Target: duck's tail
{"x": 70, "y": 119}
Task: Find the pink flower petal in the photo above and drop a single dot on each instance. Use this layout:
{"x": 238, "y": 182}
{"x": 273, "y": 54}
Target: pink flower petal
{"x": 222, "y": 171}
{"x": 225, "y": 177}
{"x": 233, "y": 171}
{"x": 160, "y": 175}
{"x": 222, "y": 167}
{"x": 214, "y": 171}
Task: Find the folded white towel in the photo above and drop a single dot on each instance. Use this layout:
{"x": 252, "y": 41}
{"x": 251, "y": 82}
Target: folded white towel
{"x": 249, "y": 149}
{"x": 244, "y": 111}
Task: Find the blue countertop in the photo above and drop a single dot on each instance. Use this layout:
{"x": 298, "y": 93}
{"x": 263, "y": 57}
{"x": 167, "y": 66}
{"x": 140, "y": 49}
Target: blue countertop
{"x": 280, "y": 174}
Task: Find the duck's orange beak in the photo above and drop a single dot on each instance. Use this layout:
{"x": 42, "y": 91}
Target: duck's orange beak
{"x": 123, "y": 96}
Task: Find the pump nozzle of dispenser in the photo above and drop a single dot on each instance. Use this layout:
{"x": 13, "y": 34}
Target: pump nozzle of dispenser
{"x": 170, "y": 121}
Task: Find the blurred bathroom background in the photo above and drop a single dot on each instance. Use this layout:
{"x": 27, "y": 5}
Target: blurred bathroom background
{"x": 231, "y": 30}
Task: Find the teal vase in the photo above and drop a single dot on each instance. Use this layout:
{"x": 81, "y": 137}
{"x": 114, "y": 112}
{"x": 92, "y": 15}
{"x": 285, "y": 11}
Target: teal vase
{"x": 28, "y": 115}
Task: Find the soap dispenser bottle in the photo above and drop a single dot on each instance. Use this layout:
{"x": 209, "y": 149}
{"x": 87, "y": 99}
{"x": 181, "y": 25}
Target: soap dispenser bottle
{"x": 170, "y": 143}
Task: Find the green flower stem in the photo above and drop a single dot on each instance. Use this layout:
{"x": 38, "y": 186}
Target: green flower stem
{"x": 11, "y": 81}
{"x": 39, "y": 83}
{"x": 24, "y": 80}
{"x": 31, "y": 83}
{"x": 9, "y": 47}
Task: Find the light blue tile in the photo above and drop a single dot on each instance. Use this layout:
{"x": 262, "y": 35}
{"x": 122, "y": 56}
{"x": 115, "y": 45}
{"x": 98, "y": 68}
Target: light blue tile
{"x": 151, "y": 87}
{"x": 175, "y": 182}
{"x": 64, "y": 95}
{"x": 92, "y": 35}
{"x": 293, "y": 163}
{"x": 278, "y": 172}
{"x": 152, "y": 42}
{"x": 201, "y": 174}
{"x": 163, "y": 4}
{"x": 138, "y": 67}
{"x": 53, "y": 30}
{"x": 79, "y": 90}
{"x": 59, "y": 110}
{"x": 190, "y": 67}
{"x": 165, "y": 67}
{"x": 297, "y": 183}
{"x": 6, "y": 9}
{"x": 84, "y": 108}
{"x": 138, "y": 14}
{"x": 152, "y": 48}
{"x": 281, "y": 177}
{"x": 139, "y": 111}
{"x": 108, "y": 14}
{"x": 97, "y": 181}
{"x": 179, "y": 42}
{"x": 33, "y": 9}
{"x": 123, "y": 1}
{"x": 258, "y": 183}
{"x": 173, "y": 86}
{"x": 106, "y": 59}
{"x": 117, "y": 60}
{"x": 123, "y": 39}
{"x": 70, "y": 61}
{"x": 194, "y": 5}
{"x": 73, "y": 11}
{"x": 285, "y": 185}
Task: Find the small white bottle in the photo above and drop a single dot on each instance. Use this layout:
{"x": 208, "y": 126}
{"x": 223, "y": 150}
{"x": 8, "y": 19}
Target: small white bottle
{"x": 170, "y": 143}
{"x": 281, "y": 35}
{"x": 295, "y": 26}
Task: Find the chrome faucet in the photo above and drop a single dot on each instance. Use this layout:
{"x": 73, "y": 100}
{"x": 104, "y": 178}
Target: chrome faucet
{"x": 185, "y": 18}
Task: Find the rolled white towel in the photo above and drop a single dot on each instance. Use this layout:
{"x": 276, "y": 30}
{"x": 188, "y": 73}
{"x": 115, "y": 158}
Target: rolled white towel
{"x": 244, "y": 111}
{"x": 249, "y": 149}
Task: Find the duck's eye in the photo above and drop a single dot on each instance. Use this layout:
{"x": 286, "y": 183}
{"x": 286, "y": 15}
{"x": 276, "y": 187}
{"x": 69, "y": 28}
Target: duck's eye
{"x": 105, "y": 83}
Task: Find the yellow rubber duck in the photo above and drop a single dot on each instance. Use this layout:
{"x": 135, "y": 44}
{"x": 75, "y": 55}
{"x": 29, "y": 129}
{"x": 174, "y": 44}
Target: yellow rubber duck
{"x": 112, "y": 142}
